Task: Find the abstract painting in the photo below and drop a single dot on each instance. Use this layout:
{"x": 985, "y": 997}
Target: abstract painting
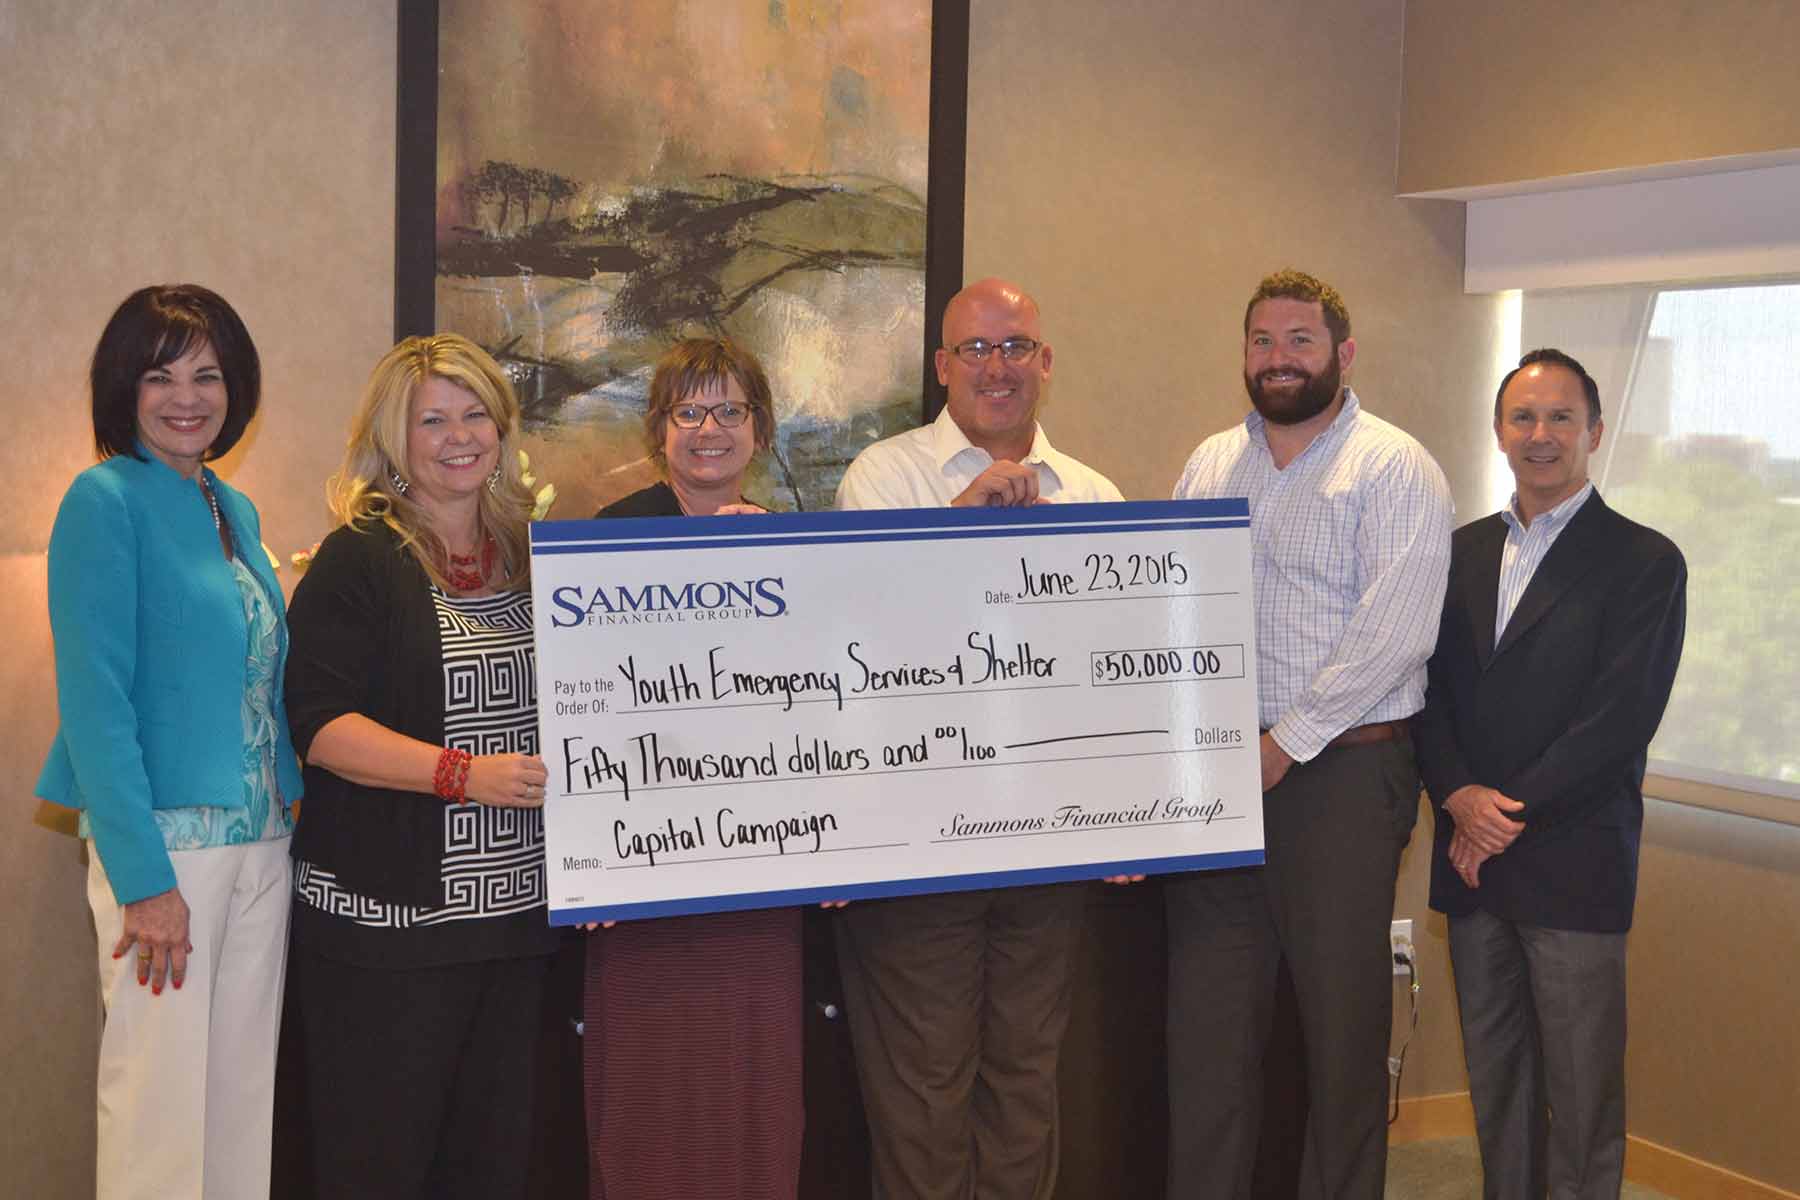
{"x": 610, "y": 177}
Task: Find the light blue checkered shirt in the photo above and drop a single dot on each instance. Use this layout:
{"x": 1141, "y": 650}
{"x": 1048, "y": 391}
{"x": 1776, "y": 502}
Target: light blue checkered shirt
{"x": 1526, "y": 546}
{"x": 1350, "y": 547}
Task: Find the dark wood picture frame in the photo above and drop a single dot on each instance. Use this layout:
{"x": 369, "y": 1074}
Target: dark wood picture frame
{"x": 415, "y": 174}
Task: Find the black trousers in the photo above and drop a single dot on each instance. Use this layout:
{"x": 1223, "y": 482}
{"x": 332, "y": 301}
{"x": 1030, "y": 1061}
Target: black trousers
{"x": 421, "y": 1080}
{"x": 1334, "y": 829}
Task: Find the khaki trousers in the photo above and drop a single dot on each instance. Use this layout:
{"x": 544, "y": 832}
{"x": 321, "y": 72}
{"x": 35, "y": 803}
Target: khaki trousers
{"x": 957, "y": 1006}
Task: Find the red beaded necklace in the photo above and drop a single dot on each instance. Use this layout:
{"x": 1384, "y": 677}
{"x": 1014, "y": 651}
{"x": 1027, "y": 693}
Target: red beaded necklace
{"x": 468, "y": 573}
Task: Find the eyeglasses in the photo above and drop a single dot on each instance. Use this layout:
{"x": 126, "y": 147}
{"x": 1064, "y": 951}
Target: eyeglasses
{"x": 727, "y": 414}
{"x": 976, "y": 351}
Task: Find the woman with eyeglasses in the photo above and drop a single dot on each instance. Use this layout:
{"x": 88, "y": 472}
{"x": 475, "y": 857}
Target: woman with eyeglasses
{"x": 693, "y": 1024}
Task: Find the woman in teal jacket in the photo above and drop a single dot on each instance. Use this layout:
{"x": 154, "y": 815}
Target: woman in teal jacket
{"x": 170, "y": 644}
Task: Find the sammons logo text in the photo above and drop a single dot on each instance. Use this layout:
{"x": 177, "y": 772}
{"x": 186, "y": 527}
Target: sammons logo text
{"x": 750, "y": 597}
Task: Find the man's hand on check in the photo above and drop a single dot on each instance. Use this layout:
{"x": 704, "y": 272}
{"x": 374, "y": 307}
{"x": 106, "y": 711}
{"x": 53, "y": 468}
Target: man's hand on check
{"x": 1003, "y": 485}
{"x": 1275, "y": 761}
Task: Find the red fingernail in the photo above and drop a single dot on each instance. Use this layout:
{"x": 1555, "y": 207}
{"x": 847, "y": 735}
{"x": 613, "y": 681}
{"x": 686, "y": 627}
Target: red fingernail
{"x": 156, "y": 989}
{"x": 118, "y": 954}
{"x": 177, "y": 985}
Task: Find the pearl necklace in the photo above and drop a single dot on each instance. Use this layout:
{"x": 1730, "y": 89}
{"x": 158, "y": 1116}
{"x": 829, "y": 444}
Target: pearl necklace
{"x": 212, "y": 502}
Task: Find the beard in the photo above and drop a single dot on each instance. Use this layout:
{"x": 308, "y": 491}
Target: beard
{"x": 1312, "y": 397}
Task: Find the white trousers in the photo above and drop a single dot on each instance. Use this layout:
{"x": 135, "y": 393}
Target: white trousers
{"x": 187, "y": 1078}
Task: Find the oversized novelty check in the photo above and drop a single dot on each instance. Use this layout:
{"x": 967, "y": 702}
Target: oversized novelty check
{"x": 748, "y": 711}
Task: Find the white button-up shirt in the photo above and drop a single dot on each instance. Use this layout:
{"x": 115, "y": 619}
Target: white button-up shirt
{"x": 1525, "y": 548}
{"x": 930, "y": 466}
{"x": 1350, "y": 557}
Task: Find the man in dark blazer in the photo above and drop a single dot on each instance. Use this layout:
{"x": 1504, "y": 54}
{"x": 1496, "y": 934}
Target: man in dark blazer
{"x": 1561, "y": 632}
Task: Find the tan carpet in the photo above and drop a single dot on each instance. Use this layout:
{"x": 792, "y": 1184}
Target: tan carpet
{"x": 1450, "y": 1169}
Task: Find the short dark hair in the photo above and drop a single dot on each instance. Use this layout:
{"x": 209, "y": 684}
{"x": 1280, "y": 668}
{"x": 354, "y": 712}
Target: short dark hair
{"x": 1555, "y": 358}
{"x": 701, "y": 364}
{"x": 152, "y": 328}
{"x": 1298, "y": 285}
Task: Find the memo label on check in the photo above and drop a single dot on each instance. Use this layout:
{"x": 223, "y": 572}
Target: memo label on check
{"x": 748, "y": 711}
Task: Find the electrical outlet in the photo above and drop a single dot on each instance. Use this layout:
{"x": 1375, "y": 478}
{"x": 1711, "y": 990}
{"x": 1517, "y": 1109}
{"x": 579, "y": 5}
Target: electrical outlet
{"x": 1400, "y": 938}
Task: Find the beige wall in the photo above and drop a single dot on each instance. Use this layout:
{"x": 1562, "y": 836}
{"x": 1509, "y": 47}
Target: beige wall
{"x": 247, "y": 146}
{"x": 1141, "y": 174}
{"x": 1713, "y": 1063}
{"x": 1529, "y": 89}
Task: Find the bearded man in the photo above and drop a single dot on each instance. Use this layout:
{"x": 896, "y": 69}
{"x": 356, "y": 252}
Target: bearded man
{"x": 1350, "y": 530}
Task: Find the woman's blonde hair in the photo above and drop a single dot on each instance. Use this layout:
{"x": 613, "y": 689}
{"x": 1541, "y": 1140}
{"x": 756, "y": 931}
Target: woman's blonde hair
{"x": 364, "y": 488}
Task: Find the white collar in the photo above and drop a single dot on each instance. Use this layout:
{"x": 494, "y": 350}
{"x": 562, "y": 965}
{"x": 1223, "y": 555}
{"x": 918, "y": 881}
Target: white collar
{"x": 1551, "y": 519}
{"x": 948, "y": 440}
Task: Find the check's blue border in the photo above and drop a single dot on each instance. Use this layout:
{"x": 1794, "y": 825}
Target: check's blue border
{"x": 897, "y": 524}
{"x": 905, "y": 887}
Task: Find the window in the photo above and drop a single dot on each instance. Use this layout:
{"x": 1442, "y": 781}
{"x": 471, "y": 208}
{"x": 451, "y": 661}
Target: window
{"x": 1701, "y": 391}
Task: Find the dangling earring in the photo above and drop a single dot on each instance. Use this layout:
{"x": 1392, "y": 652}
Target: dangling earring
{"x": 494, "y": 480}
{"x": 400, "y": 485}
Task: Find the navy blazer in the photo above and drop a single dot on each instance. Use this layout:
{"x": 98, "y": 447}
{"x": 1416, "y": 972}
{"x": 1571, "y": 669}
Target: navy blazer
{"x": 1559, "y": 715}
{"x": 150, "y": 644}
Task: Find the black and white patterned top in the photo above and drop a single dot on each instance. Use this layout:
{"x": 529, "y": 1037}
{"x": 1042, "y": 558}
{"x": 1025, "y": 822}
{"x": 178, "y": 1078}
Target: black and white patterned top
{"x": 493, "y": 857}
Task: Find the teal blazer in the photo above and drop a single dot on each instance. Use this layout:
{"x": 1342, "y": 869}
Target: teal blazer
{"x": 150, "y": 647}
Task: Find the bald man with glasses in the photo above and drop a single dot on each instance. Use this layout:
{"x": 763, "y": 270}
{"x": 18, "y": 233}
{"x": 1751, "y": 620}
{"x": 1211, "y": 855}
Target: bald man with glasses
{"x": 958, "y": 1002}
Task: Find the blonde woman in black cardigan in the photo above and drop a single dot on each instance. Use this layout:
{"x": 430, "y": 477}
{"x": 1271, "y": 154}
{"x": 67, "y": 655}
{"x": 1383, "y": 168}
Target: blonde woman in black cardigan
{"x": 420, "y": 936}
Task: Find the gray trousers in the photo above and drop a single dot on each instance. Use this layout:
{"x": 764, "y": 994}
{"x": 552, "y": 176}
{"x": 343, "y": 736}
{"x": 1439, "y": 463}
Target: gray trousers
{"x": 1543, "y": 1024}
{"x": 1334, "y": 829}
{"x": 957, "y": 1006}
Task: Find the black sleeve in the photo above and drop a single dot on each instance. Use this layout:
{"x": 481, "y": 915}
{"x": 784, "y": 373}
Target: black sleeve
{"x": 1622, "y": 703}
{"x": 1442, "y": 768}
{"x": 657, "y": 500}
{"x": 335, "y": 630}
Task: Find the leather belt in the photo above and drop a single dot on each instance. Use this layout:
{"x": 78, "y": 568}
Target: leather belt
{"x": 1374, "y": 731}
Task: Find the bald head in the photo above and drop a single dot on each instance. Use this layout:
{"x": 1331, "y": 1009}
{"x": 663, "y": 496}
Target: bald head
{"x": 994, "y": 295}
{"x": 994, "y": 398}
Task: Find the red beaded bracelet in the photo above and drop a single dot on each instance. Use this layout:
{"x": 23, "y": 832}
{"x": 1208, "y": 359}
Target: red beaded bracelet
{"x": 463, "y": 761}
{"x": 451, "y": 780}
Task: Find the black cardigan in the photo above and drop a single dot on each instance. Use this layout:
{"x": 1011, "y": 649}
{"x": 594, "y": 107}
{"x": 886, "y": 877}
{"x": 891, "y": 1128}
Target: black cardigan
{"x": 657, "y": 500}
{"x": 363, "y": 638}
